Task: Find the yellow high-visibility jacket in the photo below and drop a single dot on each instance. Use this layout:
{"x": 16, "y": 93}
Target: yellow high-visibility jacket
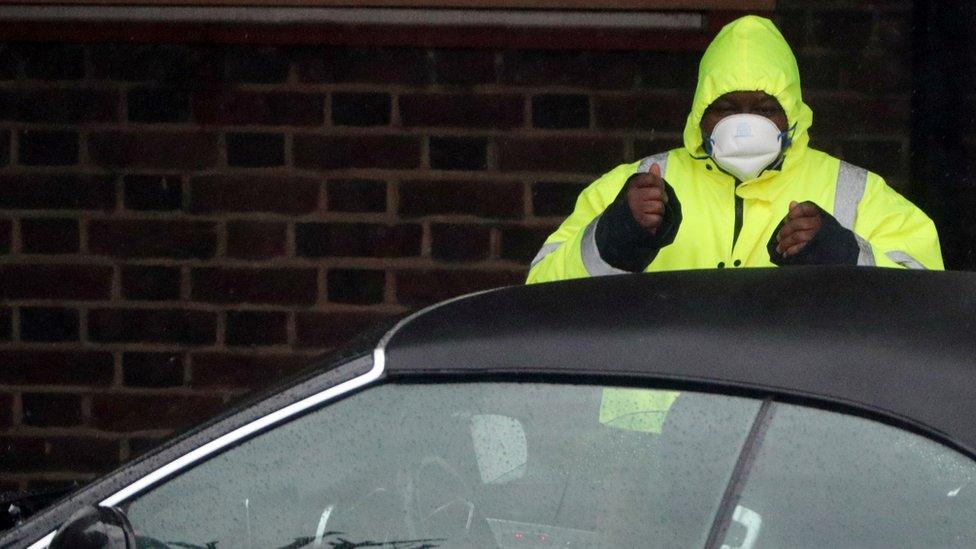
{"x": 748, "y": 54}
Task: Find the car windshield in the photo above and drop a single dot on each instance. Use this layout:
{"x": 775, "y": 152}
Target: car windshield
{"x": 465, "y": 465}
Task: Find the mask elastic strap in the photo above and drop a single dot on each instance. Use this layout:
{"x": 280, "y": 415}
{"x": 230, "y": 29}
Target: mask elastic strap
{"x": 786, "y": 136}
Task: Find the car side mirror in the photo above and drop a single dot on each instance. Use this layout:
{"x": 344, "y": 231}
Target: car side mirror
{"x": 500, "y": 448}
{"x": 95, "y": 527}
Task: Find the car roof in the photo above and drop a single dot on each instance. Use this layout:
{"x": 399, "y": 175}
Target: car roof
{"x": 897, "y": 343}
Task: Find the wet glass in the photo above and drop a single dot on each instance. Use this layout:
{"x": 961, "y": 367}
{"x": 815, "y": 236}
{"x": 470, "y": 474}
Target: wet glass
{"x": 823, "y": 479}
{"x": 461, "y": 465}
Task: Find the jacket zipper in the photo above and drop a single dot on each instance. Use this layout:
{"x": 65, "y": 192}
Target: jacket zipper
{"x": 738, "y": 216}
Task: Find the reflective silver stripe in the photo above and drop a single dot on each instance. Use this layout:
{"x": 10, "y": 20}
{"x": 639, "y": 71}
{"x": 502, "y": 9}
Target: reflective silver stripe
{"x": 905, "y": 260}
{"x": 545, "y": 250}
{"x": 592, "y": 262}
{"x": 661, "y": 159}
{"x": 865, "y": 256}
{"x": 851, "y": 181}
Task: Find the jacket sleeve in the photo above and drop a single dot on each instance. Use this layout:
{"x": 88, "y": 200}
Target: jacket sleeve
{"x": 562, "y": 255}
{"x": 893, "y": 232}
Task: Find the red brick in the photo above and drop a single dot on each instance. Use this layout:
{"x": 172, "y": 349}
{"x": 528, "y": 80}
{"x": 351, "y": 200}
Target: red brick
{"x": 6, "y": 410}
{"x": 357, "y": 240}
{"x": 555, "y": 198}
{"x": 6, "y": 324}
{"x": 153, "y": 192}
{"x": 142, "y": 412}
{"x": 218, "y": 285}
{"x": 152, "y": 369}
{"x": 325, "y": 152}
{"x": 501, "y": 111}
{"x": 51, "y": 409}
{"x": 75, "y": 454}
{"x": 6, "y": 235}
{"x": 570, "y": 68}
{"x": 408, "y": 66}
{"x": 450, "y": 242}
{"x": 587, "y": 155}
{"x": 49, "y": 236}
{"x": 152, "y": 325}
{"x": 357, "y": 286}
{"x": 47, "y": 148}
{"x": 260, "y": 64}
{"x": 647, "y": 147}
{"x": 56, "y": 191}
{"x": 140, "y": 445}
{"x": 331, "y": 330}
{"x": 59, "y": 106}
{"x": 833, "y": 115}
{"x": 663, "y": 112}
{"x": 255, "y": 240}
{"x": 186, "y": 150}
{"x": 150, "y": 282}
{"x": 424, "y": 287}
{"x": 152, "y": 238}
{"x": 53, "y": 61}
{"x": 55, "y": 368}
{"x": 464, "y": 67}
{"x": 253, "y": 328}
{"x": 520, "y": 243}
{"x": 244, "y": 370}
{"x": 290, "y": 195}
{"x": 668, "y": 70}
{"x": 233, "y": 108}
{"x": 48, "y": 324}
{"x": 356, "y": 195}
{"x": 170, "y": 63}
{"x": 501, "y": 199}
{"x": 80, "y": 282}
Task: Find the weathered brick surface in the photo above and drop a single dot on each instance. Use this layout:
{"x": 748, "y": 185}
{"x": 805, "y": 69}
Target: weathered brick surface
{"x": 153, "y": 192}
{"x": 47, "y": 281}
{"x": 38, "y": 367}
{"x": 47, "y": 148}
{"x": 49, "y": 235}
{"x": 130, "y": 238}
{"x": 181, "y": 326}
{"x": 181, "y": 223}
{"x": 366, "y": 151}
{"x": 150, "y": 282}
{"x": 289, "y": 195}
{"x": 256, "y": 239}
{"x": 224, "y": 285}
{"x": 48, "y": 324}
{"x": 357, "y": 240}
{"x": 254, "y": 328}
{"x": 500, "y": 111}
{"x": 356, "y": 195}
{"x": 51, "y": 409}
{"x": 359, "y": 286}
{"x": 128, "y": 412}
{"x": 153, "y": 150}
{"x": 154, "y": 370}
{"x": 272, "y": 109}
{"x": 241, "y": 370}
{"x": 478, "y": 198}
{"x": 56, "y": 191}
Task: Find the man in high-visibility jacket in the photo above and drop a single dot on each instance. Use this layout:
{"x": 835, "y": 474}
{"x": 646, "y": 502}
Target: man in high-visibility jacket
{"x": 745, "y": 190}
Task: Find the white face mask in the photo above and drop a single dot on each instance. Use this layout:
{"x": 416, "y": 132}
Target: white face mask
{"x": 745, "y": 144}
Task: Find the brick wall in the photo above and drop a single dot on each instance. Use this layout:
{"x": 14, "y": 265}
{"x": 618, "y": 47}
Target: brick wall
{"x": 182, "y": 224}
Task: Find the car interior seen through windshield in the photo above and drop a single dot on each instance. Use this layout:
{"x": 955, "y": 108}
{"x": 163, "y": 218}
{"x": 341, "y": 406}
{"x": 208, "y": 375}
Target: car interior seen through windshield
{"x": 546, "y": 465}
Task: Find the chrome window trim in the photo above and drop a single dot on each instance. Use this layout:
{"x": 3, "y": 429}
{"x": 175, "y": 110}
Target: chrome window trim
{"x": 278, "y": 416}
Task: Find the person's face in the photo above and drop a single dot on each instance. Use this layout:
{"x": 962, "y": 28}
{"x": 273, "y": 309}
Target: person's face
{"x": 738, "y": 102}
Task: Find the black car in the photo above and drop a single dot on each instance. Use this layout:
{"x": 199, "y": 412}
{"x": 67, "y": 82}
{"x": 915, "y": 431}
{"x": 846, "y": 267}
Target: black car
{"x": 794, "y": 407}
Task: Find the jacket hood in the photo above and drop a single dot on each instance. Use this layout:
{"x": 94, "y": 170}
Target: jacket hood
{"x": 749, "y": 54}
